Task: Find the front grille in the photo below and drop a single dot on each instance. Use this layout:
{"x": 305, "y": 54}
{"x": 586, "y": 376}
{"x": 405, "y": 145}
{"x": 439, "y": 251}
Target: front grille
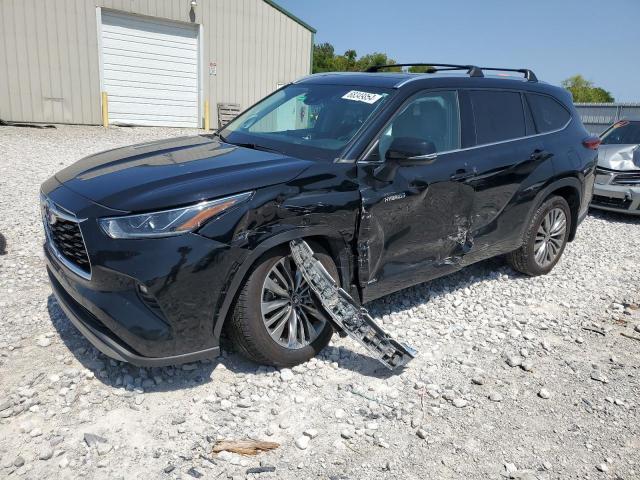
{"x": 64, "y": 235}
{"x": 621, "y": 203}
{"x": 632, "y": 178}
{"x": 67, "y": 238}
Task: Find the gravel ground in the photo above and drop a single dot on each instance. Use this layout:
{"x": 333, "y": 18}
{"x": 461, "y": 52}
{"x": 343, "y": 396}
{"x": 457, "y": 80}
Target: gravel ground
{"x": 508, "y": 383}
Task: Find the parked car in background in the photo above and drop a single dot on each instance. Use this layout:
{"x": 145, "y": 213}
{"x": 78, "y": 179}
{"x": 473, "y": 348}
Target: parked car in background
{"x": 393, "y": 178}
{"x": 617, "y": 186}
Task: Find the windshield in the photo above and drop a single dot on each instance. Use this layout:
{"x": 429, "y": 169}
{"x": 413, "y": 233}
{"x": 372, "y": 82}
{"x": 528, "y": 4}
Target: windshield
{"x": 307, "y": 120}
{"x": 622, "y": 133}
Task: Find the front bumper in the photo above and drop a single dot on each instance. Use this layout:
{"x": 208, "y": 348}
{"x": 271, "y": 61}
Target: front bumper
{"x": 616, "y": 198}
{"x": 104, "y": 340}
{"x": 149, "y": 302}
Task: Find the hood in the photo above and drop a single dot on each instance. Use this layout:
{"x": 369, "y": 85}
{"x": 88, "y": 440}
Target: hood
{"x": 619, "y": 157}
{"x": 175, "y": 172}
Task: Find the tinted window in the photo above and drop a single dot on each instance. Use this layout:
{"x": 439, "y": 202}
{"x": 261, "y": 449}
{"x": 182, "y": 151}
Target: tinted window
{"x": 429, "y": 116}
{"x": 499, "y": 116}
{"x": 622, "y": 133}
{"x": 547, "y": 113}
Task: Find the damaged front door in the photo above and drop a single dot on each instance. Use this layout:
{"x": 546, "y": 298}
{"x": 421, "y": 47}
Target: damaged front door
{"x": 416, "y": 209}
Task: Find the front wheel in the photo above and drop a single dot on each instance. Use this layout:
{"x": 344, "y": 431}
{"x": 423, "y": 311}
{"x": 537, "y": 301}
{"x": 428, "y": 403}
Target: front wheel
{"x": 545, "y": 238}
{"x": 277, "y": 319}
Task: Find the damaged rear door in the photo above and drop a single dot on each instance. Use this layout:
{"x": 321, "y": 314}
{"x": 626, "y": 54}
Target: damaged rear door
{"x": 415, "y": 216}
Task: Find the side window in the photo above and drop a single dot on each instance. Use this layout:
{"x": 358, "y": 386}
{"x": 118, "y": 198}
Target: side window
{"x": 548, "y": 114}
{"x": 499, "y": 115}
{"x": 429, "y": 116}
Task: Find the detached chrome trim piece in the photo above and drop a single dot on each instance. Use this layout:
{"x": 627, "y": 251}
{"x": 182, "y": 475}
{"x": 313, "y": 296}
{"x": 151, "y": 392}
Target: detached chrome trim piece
{"x": 47, "y": 207}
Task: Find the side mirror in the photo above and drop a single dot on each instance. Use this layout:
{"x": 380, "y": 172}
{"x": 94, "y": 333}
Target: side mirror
{"x": 404, "y": 149}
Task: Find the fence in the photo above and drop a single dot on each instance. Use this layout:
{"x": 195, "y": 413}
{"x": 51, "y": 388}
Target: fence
{"x": 598, "y": 116}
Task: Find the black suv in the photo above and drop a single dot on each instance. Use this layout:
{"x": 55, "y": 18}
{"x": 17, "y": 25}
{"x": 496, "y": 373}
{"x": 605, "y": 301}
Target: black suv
{"x": 392, "y": 178}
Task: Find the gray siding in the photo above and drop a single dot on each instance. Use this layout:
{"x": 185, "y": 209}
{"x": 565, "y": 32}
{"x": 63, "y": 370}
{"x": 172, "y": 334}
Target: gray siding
{"x": 49, "y": 51}
{"x": 598, "y": 116}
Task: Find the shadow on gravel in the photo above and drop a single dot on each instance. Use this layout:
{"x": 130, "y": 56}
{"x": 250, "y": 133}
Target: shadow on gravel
{"x": 117, "y": 374}
{"x": 615, "y": 216}
{"x": 422, "y": 293}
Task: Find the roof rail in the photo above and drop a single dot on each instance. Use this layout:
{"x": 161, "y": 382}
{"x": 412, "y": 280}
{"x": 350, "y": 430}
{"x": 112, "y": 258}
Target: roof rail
{"x": 472, "y": 70}
{"x": 528, "y": 74}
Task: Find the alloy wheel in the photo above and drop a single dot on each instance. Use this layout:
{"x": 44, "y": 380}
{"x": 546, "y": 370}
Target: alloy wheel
{"x": 550, "y": 237}
{"x": 288, "y": 307}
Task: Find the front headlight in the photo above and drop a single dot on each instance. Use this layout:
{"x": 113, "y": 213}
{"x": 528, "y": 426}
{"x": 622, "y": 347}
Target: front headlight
{"x": 169, "y": 222}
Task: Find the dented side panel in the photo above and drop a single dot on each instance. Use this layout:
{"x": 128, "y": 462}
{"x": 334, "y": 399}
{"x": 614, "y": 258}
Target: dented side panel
{"x": 323, "y": 201}
{"x": 415, "y": 227}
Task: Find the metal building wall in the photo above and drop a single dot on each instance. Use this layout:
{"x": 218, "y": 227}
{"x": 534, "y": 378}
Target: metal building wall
{"x": 49, "y": 55}
{"x": 598, "y": 116}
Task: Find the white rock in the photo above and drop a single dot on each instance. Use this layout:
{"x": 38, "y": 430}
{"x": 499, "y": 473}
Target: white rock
{"x": 286, "y": 375}
{"x": 460, "y": 402}
{"x": 514, "y": 360}
{"x": 495, "y": 397}
{"x": 311, "y": 433}
{"x": 302, "y": 442}
{"x": 46, "y": 453}
{"x": 225, "y": 456}
{"x": 346, "y": 433}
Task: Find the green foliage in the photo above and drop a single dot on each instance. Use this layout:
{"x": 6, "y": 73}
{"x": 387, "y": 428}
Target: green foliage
{"x": 583, "y": 91}
{"x": 421, "y": 69}
{"x": 325, "y": 60}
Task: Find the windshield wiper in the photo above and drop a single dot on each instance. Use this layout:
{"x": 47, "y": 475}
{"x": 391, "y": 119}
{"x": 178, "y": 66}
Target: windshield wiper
{"x": 252, "y": 146}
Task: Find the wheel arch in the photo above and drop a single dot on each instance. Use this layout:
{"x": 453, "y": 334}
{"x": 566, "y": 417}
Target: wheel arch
{"x": 333, "y": 242}
{"x": 570, "y": 189}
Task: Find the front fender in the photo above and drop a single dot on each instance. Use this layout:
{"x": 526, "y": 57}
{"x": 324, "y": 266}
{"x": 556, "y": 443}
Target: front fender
{"x": 336, "y": 239}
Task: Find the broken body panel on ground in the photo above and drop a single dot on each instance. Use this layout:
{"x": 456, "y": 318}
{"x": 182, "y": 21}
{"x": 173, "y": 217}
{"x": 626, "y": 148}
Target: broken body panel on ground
{"x": 346, "y": 314}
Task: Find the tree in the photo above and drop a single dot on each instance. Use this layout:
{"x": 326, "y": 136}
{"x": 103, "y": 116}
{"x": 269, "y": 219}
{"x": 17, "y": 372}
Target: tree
{"x": 583, "y": 91}
{"x": 325, "y": 60}
{"x": 421, "y": 69}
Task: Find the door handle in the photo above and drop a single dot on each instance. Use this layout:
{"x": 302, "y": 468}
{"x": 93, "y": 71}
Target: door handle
{"x": 539, "y": 154}
{"x": 463, "y": 174}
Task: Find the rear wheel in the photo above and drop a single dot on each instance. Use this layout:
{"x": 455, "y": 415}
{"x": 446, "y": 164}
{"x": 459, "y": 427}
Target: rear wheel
{"x": 277, "y": 319}
{"x": 545, "y": 238}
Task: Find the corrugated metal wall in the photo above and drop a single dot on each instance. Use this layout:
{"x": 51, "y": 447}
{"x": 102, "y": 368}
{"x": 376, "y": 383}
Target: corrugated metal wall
{"x": 50, "y": 61}
{"x": 598, "y": 116}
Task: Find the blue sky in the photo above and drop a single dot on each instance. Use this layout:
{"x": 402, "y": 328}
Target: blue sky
{"x": 555, "y": 38}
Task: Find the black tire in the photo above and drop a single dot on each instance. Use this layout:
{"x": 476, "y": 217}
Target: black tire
{"x": 523, "y": 260}
{"x": 246, "y": 327}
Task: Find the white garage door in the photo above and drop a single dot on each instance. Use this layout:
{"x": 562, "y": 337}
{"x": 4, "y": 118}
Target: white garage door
{"x": 150, "y": 71}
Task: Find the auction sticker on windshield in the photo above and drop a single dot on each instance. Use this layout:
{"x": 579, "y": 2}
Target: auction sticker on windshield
{"x": 365, "y": 97}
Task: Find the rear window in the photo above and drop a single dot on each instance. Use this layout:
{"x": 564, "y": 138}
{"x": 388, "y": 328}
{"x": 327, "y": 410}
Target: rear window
{"x": 498, "y": 115}
{"x": 622, "y": 133}
{"x": 548, "y": 114}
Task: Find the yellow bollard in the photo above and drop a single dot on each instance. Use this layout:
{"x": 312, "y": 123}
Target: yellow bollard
{"x": 105, "y": 110}
{"x": 206, "y": 114}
